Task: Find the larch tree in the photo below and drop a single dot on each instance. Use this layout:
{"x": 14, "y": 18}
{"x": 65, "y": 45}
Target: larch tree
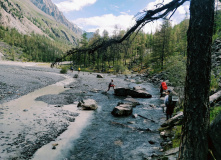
{"x": 194, "y": 142}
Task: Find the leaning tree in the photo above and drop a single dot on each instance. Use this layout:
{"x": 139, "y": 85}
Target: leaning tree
{"x": 194, "y": 142}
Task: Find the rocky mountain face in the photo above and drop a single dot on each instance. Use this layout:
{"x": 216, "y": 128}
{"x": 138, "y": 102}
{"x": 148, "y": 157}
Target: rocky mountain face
{"x": 51, "y": 9}
{"x": 39, "y": 17}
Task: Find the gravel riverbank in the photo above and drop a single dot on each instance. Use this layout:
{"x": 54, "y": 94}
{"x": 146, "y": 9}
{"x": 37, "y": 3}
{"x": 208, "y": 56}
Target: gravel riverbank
{"x": 25, "y": 124}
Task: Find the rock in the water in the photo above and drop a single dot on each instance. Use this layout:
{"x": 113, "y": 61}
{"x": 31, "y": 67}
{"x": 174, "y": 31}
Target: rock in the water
{"x": 75, "y": 76}
{"x": 151, "y": 142}
{"x": 99, "y": 76}
{"x": 133, "y": 101}
{"x": 134, "y": 115}
{"x": 133, "y": 93}
{"x": 122, "y": 110}
{"x": 88, "y": 104}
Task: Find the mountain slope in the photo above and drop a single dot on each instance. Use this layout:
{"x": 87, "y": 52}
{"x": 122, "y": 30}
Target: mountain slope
{"x": 51, "y": 9}
{"x": 39, "y": 17}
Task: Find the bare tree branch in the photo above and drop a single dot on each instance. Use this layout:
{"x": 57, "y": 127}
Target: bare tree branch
{"x": 149, "y": 16}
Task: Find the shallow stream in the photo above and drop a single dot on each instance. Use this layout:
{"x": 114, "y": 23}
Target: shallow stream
{"x": 97, "y": 135}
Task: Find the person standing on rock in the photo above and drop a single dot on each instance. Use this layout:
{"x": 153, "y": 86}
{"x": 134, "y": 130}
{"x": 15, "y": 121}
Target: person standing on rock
{"x": 169, "y": 104}
{"x": 163, "y": 87}
{"x": 111, "y": 84}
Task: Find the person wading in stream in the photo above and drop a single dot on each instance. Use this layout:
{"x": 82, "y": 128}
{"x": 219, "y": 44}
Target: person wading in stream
{"x": 111, "y": 84}
{"x": 169, "y": 104}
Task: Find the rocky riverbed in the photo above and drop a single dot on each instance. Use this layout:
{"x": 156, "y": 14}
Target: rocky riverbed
{"x": 33, "y": 114}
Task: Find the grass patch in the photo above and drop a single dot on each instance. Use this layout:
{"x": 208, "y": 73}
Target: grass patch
{"x": 44, "y": 64}
{"x": 214, "y": 112}
{"x": 177, "y": 136}
{"x": 178, "y": 129}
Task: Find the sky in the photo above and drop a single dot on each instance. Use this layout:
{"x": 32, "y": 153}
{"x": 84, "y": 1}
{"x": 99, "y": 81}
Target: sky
{"x": 110, "y": 15}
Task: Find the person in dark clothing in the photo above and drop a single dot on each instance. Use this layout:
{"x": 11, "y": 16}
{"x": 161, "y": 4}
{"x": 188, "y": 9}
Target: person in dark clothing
{"x": 72, "y": 69}
{"x": 111, "y": 84}
{"x": 169, "y": 104}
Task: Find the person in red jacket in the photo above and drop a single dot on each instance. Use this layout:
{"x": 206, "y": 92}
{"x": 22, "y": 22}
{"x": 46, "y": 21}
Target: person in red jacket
{"x": 163, "y": 87}
{"x": 111, "y": 84}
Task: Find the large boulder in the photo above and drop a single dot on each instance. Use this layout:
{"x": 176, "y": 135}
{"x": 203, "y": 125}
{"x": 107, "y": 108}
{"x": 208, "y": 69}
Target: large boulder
{"x": 133, "y": 101}
{"x": 88, "y": 104}
{"x": 99, "y": 76}
{"x": 123, "y": 109}
{"x": 135, "y": 93}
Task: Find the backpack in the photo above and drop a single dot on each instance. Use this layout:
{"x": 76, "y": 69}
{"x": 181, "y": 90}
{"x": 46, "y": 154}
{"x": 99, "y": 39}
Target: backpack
{"x": 164, "y": 85}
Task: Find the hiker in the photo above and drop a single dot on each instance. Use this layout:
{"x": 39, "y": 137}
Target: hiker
{"x": 79, "y": 69}
{"x": 72, "y": 69}
{"x": 169, "y": 104}
{"x": 111, "y": 84}
{"x": 163, "y": 87}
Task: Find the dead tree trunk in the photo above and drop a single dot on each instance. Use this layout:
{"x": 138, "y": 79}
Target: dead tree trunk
{"x": 194, "y": 142}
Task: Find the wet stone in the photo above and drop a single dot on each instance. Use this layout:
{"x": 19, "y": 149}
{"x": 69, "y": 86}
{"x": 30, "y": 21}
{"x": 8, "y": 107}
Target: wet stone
{"x": 151, "y": 142}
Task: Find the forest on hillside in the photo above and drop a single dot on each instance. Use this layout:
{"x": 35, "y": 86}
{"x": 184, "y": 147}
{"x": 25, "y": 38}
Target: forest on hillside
{"x": 32, "y": 47}
{"x": 140, "y": 51}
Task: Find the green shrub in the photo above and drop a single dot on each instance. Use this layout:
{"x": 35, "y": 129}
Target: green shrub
{"x": 120, "y": 68}
{"x": 63, "y": 70}
{"x": 177, "y": 136}
{"x": 214, "y": 82}
{"x": 214, "y": 112}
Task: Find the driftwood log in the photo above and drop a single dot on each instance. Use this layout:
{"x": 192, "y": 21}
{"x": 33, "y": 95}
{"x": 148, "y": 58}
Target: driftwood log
{"x": 215, "y": 98}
